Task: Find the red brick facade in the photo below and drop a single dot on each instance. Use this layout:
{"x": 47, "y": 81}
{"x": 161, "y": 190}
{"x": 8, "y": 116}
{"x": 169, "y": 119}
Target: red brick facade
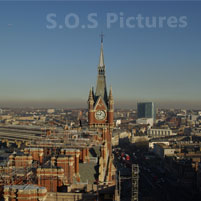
{"x": 36, "y": 153}
{"x": 100, "y": 106}
{"x": 51, "y": 178}
{"x": 24, "y": 193}
{"x": 20, "y": 161}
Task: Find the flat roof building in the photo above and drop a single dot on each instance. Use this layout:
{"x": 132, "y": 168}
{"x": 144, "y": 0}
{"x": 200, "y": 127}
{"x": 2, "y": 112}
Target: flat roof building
{"x": 146, "y": 110}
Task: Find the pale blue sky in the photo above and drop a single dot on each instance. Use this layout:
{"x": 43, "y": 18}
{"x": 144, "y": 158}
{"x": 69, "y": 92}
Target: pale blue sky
{"x": 59, "y": 65}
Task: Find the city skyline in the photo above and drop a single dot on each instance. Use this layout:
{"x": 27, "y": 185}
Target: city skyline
{"x": 43, "y": 67}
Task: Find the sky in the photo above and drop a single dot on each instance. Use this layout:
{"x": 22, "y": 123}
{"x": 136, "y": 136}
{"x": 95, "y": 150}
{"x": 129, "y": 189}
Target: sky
{"x": 54, "y": 66}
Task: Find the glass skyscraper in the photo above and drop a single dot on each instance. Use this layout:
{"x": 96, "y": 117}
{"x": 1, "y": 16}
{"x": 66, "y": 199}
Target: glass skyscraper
{"x": 146, "y": 110}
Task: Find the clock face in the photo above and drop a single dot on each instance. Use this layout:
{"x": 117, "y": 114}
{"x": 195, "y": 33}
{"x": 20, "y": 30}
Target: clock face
{"x": 100, "y": 115}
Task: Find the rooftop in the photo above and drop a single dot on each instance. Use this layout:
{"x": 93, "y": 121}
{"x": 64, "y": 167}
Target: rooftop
{"x": 88, "y": 172}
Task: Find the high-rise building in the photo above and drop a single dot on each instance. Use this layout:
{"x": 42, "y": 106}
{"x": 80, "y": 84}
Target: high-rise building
{"x": 146, "y": 110}
{"x": 100, "y": 105}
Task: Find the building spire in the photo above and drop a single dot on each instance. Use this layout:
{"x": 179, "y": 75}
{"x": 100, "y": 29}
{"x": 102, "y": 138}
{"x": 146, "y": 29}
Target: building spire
{"x": 102, "y": 36}
{"x": 91, "y": 94}
{"x": 101, "y": 60}
{"x": 110, "y": 94}
{"x": 101, "y": 89}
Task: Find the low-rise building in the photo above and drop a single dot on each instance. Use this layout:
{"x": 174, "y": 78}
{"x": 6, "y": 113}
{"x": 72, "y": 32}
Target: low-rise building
{"x": 151, "y": 144}
{"x": 163, "y": 150}
{"x": 145, "y": 121}
{"x": 25, "y": 192}
{"x": 157, "y": 133}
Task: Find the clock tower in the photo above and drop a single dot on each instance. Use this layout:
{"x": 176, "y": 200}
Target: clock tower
{"x": 100, "y": 105}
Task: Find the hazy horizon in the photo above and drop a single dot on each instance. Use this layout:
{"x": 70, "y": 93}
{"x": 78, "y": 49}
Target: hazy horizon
{"x": 119, "y": 104}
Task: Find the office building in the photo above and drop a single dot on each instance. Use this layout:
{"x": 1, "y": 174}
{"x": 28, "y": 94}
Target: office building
{"x": 146, "y": 110}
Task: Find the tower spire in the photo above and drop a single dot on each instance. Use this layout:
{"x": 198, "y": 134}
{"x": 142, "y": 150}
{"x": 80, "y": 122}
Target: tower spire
{"x": 101, "y": 60}
{"x": 102, "y": 36}
{"x": 100, "y": 103}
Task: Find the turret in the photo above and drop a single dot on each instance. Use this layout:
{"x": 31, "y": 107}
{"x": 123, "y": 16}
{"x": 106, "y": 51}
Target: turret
{"x": 111, "y": 108}
{"x": 91, "y": 105}
{"x": 91, "y": 99}
{"x": 110, "y": 100}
